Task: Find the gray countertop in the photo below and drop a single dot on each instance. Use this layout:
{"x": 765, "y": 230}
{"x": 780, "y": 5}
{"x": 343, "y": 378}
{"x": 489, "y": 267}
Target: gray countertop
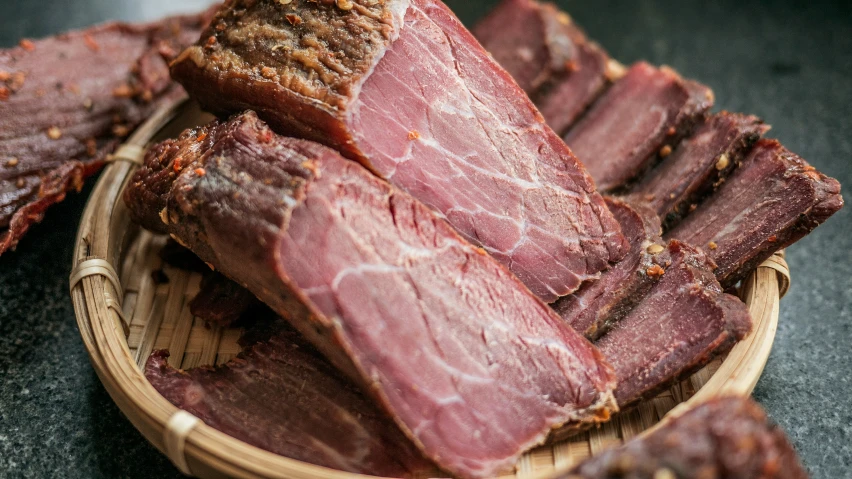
{"x": 788, "y": 62}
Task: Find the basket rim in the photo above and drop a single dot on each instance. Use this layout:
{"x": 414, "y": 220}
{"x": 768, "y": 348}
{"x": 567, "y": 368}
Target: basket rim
{"x": 204, "y": 451}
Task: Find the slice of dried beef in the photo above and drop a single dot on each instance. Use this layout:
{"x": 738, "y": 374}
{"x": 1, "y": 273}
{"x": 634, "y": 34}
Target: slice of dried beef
{"x": 698, "y": 165}
{"x": 771, "y": 201}
{"x": 282, "y": 396}
{"x": 67, "y": 101}
{"x": 683, "y": 323}
{"x": 548, "y": 55}
{"x": 639, "y": 119}
{"x": 600, "y": 304}
{"x": 727, "y": 438}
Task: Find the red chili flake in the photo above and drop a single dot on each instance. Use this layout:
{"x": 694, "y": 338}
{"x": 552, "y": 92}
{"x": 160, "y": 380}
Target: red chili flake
{"x": 91, "y": 147}
{"x": 265, "y": 136}
{"x": 200, "y": 172}
{"x": 671, "y": 131}
{"x": 655, "y": 271}
{"x": 147, "y": 96}
{"x": 413, "y": 135}
{"x": 211, "y": 40}
{"x": 201, "y": 137}
{"x": 91, "y": 43}
{"x": 177, "y": 164}
{"x": 120, "y": 130}
{"x": 293, "y": 19}
{"x": 123, "y": 91}
{"x": 27, "y": 45}
{"x": 773, "y": 239}
{"x": 5, "y": 75}
{"x": 74, "y": 88}
{"x": 4, "y": 93}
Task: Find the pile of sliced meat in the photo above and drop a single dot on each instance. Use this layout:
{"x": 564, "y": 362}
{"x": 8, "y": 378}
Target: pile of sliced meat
{"x": 446, "y": 286}
{"x": 67, "y": 101}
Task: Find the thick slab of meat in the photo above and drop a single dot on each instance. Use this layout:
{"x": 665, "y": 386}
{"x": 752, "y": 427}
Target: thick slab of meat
{"x": 728, "y": 438}
{"x": 472, "y": 366}
{"x": 221, "y": 301}
{"x": 639, "y": 119}
{"x": 771, "y": 201}
{"x": 402, "y": 87}
{"x": 598, "y": 305}
{"x": 548, "y": 55}
{"x": 682, "y": 324}
{"x": 284, "y": 397}
{"x": 698, "y": 165}
{"x": 67, "y": 101}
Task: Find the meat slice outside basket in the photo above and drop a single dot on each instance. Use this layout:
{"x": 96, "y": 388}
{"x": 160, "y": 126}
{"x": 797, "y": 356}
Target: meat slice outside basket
{"x": 472, "y": 366}
{"x": 549, "y": 56}
{"x": 639, "y": 119}
{"x": 281, "y": 395}
{"x": 771, "y": 201}
{"x": 404, "y": 88}
{"x": 67, "y": 101}
{"x": 598, "y": 305}
{"x": 725, "y": 438}
{"x": 698, "y": 165}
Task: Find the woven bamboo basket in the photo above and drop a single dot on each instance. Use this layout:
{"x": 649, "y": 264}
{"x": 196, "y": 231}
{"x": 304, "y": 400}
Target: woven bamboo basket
{"x": 123, "y": 315}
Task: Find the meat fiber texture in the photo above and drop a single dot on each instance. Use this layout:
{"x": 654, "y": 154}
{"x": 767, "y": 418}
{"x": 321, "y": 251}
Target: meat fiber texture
{"x": 220, "y": 301}
{"x": 771, "y": 201}
{"x": 726, "y": 438}
{"x": 698, "y": 165}
{"x": 67, "y": 101}
{"x": 282, "y": 396}
{"x": 682, "y": 323}
{"x": 598, "y": 305}
{"x": 638, "y": 120}
{"x": 548, "y": 55}
{"x": 403, "y": 88}
{"x": 472, "y": 366}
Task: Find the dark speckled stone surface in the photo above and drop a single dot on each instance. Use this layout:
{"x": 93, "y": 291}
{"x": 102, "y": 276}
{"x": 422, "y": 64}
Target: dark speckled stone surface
{"x": 789, "y": 62}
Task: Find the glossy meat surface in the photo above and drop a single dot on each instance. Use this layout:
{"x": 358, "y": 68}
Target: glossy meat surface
{"x": 442, "y": 335}
{"x": 406, "y": 90}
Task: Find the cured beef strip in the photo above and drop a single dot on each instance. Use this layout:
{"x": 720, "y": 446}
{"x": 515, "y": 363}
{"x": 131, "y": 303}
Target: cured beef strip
{"x": 442, "y": 335}
{"x": 682, "y": 324}
{"x": 771, "y": 201}
{"x": 282, "y": 396}
{"x": 598, "y": 305}
{"x": 222, "y": 302}
{"x": 698, "y": 165}
{"x": 548, "y": 55}
{"x": 727, "y": 438}
{"x": 402, "y": 87}
{"x": 642, "y": 117}
{"x": 67, "y": 101}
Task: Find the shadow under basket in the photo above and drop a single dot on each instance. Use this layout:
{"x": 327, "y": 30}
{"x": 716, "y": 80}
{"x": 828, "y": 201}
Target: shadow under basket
{"x": 123, "y": 315}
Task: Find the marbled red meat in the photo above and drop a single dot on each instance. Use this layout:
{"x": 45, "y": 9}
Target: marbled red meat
{"x": 640, "y": 118}
{"x": 282, "y": 396}
{"x": 727, "y": 438}
{"x": 682, "y": 323}
{"x": 472, "y": 366}
{"x": 67, "y": 101}
{"x": 548, "y": 55}
{"x": 402, "y": 87}
{"x": 598, "y": 305}
{"x": 771, "y": 201}
{"x": 698, "y": 165}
